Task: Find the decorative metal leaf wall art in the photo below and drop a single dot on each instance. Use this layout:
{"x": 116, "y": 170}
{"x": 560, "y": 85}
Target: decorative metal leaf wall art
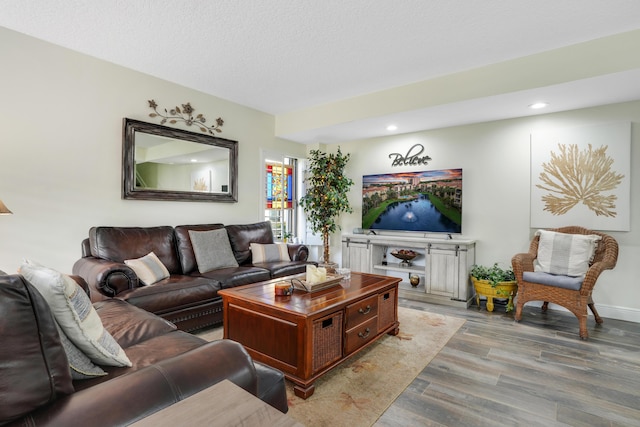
{"x": 572, "y": 176}
{"x": 185, "y": 115}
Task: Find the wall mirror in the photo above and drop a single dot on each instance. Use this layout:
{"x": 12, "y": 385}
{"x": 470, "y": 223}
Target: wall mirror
{"x": 162, "y": 163}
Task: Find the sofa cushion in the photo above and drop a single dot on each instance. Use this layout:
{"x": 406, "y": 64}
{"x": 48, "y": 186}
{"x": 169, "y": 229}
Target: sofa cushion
{"x": 185, "y": 248}
{"x": 172, "y": 294}
{"x": 130, "y": 325}
{"x": 241, "y": 237}
{"x": 120, "y": 243}
{"x": 149, "y": 268}
{"x": 33, "y": 366}
{"x": 238, "y": 276}
{"x": 150, "y": 352}
{"x": 212, "y": 249}
{"x": 269, "y": 252}
{"x": 284, "y": 268}
{"x": 562, "y": 253}
{"x": 74, "y": 313}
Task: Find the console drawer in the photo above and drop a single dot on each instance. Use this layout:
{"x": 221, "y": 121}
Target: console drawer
{"x": 361, "y": 311}
{"x": 360, "y": 335}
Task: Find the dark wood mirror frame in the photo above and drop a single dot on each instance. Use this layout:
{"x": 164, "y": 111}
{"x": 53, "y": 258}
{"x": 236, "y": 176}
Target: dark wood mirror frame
{"x": 131, "y": 191}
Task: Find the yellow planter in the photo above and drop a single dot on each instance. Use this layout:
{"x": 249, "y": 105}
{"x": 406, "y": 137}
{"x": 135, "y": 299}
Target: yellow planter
{"x": 501, "y": 290}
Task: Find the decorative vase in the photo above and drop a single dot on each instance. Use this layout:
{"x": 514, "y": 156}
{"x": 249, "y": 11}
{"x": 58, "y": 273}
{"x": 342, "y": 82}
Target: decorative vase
{"x": 330, "y": 266}
{"x": 414, "y": 279}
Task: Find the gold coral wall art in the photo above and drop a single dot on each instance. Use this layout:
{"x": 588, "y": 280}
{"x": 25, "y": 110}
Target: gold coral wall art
{"x": 580, "y": 176}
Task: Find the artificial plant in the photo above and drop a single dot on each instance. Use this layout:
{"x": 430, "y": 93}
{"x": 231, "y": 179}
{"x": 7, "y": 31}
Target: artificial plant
{"x": 326, "y": 193}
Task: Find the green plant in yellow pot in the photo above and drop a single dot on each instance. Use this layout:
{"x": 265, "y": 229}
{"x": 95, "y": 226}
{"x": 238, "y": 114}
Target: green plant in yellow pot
{"x": 494, "y": 282}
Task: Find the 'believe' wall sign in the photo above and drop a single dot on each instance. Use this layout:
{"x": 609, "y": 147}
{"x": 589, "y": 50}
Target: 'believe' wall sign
{"x": 413, "y": 157}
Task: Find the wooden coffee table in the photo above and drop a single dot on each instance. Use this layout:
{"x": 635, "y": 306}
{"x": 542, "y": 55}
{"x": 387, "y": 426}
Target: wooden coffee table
{"x": 306, "y": 334}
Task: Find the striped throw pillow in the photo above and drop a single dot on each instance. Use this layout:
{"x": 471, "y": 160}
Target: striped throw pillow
{"x": 149, "y": 268}
{"x": 566, "y": 254}
{"x": 269, "y": 253}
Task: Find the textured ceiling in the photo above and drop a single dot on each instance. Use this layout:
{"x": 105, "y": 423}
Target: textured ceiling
{"x": 280, "y": 56}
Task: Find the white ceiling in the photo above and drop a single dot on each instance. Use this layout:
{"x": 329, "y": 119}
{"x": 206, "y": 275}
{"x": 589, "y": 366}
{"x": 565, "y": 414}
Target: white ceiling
{"x": 283, "y": 56}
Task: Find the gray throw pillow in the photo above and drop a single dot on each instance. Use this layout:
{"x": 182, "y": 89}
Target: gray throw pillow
{"x": 212, "y": 249}
{"x": 81, "y": 367}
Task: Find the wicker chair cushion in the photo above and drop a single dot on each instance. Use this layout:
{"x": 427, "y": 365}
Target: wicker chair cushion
{"x": 563, "y": 253}
{"x": 559, "y": 281}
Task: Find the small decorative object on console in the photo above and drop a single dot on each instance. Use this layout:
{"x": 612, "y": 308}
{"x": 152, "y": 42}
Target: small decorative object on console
{"x": 406, "y": 255}
{"x": 414, "y": 279}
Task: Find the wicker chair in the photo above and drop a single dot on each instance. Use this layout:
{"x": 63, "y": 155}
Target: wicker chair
{"x": 575, "y": 301}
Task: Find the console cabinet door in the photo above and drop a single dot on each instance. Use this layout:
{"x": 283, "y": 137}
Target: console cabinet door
{"x": 443, "y": 273}
{"x": 357, "y": 256}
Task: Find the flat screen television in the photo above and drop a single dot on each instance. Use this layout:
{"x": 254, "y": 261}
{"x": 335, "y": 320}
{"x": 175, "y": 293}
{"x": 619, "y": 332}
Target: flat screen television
{"x": 427, "y": 202}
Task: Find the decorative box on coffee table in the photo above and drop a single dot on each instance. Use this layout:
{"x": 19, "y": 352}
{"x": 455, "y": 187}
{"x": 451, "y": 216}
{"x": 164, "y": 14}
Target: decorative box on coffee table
{"x": 308, "y": 333}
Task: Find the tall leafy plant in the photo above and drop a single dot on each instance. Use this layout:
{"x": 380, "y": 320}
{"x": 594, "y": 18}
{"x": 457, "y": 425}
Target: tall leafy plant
{"x": 326, "y": 194}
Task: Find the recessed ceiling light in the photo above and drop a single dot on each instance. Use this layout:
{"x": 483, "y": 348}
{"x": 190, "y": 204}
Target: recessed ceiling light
{"x": 538, "y": 105}
{"x": 194, "y": 160}
{"x": 392, "y": 127}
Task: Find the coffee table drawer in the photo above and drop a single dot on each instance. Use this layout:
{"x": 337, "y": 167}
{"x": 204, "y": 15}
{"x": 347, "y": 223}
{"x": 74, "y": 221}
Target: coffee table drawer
{"x": 360, "y": 335}
{"x": 361, "y": 311}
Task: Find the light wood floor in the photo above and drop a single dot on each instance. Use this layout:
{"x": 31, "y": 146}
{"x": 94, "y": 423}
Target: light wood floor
{"x": 496, "y": 372}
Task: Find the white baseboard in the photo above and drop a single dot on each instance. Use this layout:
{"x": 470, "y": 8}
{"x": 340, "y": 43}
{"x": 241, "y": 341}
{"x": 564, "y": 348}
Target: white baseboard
{"x": 607, "y": 311}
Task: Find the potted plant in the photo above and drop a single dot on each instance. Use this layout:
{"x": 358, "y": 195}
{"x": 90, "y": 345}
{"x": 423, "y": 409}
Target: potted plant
{"x": 494, "y": 282}
{"x": 326, "y": 194}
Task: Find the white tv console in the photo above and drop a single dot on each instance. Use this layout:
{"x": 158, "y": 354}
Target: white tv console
{"x": 443, "y": 265}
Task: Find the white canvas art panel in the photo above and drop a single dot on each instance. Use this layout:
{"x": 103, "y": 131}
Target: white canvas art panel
{"x": 201, "y": 180}
{"x": 581, "y": 176}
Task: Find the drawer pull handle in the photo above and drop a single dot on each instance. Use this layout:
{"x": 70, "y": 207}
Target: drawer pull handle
{"x": 364, "y": 310}
{"x": 364, "y": 334}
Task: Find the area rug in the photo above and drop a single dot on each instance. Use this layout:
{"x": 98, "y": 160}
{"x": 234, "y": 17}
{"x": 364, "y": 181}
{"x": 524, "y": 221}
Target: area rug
{"x": 357, "y": 392}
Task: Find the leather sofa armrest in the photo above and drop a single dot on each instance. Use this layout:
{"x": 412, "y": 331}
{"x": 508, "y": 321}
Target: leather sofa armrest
{"x": 271, "y": 387}
{"x": 150, "y": 389}
{"x": 105, "y": 278}
{"x": 298, "y": 252}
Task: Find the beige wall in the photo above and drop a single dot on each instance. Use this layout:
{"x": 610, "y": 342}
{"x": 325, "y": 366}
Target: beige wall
{"x": 61, "y": 148}
{"x": 495, "y": 158}
{"x": 60, "y": 164}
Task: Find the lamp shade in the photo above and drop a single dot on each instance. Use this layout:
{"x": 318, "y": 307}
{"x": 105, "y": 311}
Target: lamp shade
{"x": 4, "y": 210}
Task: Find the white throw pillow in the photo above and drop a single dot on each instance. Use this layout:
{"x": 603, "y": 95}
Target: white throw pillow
{"x": 269, "y": 252}
{"x": 149, "y": 268}
{"x": 566, "y": 254}
{"x": 212, "y": 249}
{"x": 72, "y": 309}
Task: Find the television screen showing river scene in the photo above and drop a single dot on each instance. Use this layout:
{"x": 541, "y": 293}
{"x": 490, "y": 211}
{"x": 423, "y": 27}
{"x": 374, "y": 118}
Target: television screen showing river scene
{"x": 429, "y": 201}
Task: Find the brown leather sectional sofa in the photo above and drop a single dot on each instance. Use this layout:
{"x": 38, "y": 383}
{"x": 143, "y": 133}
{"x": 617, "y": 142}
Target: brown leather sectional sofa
{"x": 169, "y": 365}
{"x": 187, "y": 298}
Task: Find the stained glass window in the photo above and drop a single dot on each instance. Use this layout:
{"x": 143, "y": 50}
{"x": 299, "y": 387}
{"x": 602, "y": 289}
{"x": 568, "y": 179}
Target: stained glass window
{"x": 279, "y": 186}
